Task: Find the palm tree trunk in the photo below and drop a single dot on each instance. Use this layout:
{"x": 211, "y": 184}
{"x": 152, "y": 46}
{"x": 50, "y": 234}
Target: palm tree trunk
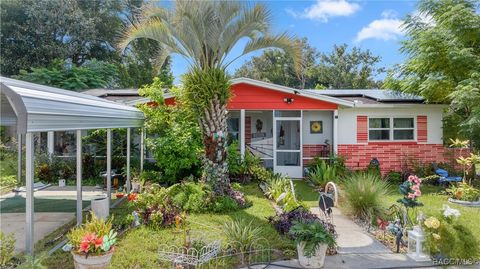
{"x": 214, "y": 130}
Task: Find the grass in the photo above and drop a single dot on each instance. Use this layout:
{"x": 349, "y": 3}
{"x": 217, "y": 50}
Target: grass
{"x": 138, "y": 248}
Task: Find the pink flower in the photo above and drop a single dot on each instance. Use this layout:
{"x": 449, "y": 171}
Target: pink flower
{"x": 416, "y": 187}
{"x": 410, "y": 178}
{"x": 84, "y": 246}
{"x": 411, "y": 196}
{"x": 89, "y": 238}
{"x": 418, "y": 193}
{"x": 98, "y": 242}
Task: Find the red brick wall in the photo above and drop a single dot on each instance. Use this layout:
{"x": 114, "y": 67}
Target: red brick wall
{"x": 311, "y": 151}
{"x": 392, "y": 156}
{"x": 422, "y": 132}
{"x": 362, "y": 129}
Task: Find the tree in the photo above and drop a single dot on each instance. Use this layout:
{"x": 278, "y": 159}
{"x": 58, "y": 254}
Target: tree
{"x": 177, "y": 143}
{"x": 204, "y": 33}
{"x": 341, "y": 69}
{"x": 344, "y": 69}
{"x": 93, "y": 74}
{"x": 34, "y": 34}
{"x": 443, "y": 62}
{"x": 38, "y": 32}
{"x": 277, "y": 67}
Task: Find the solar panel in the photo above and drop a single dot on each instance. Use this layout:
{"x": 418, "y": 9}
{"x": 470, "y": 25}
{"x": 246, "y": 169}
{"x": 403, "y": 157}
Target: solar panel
{"x": 379, "y": 95}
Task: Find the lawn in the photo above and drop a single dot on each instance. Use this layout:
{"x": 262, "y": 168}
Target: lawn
{"x": 138, "y": 248}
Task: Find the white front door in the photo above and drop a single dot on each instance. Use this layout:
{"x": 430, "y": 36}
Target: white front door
{"x": 288, "y": 146}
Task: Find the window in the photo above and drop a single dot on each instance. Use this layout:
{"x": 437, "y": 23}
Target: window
{"x": 379, "y": 129}
{"x": 387, "y": 129}
{"x": 403, "y": 129}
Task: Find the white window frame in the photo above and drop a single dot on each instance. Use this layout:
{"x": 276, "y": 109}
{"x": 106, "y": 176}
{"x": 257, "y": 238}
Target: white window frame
{"x": 391, "y": 128}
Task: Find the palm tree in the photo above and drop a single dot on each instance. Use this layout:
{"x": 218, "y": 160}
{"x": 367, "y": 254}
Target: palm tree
{"x": 204, "y": 33}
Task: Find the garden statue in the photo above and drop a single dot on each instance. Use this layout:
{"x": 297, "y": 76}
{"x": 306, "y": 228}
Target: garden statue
{"x": 396, "y": 229}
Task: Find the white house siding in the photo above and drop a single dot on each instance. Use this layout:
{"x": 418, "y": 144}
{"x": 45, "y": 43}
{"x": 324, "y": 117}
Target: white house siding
{"x": 347, "y": 120}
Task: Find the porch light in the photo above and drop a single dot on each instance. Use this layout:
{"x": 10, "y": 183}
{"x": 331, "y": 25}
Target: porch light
{"x": 288, "y": 100}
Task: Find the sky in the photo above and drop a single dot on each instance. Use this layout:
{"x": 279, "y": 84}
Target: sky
{"x": 368, "y": 24}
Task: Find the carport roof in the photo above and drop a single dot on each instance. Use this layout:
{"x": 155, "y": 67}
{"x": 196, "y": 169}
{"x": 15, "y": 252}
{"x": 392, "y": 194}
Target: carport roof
{"x": 37, "y": 108}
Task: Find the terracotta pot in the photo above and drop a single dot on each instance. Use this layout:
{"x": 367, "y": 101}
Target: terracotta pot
{"x": 316, "y": 260}
{"x": 93, "y": 261}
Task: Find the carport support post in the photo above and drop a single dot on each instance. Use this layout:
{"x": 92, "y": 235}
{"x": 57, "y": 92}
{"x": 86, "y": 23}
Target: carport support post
{"x": 19, "y": 159}
{"x": 128, "y": 159}
{"x": 29, "y": 210}
{"x": 109, "y": 165}
{"x": 50, "y": 143}
{"x": 79, "y": 177}
{"x": 142, "y": 145}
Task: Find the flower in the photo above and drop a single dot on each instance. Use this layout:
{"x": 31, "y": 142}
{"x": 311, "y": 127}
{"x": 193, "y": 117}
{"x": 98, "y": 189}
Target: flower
{"x": 411, "y": 195}
{"x": 436, "y": 236}
{"x": 84, "y": 246}
{"x": 418, "y": 193}
{"x": 449, "y": 212}
{"x": 89, "y": 238}
{"x": 98, "y": 242}
{"x": 132, "y": 197}
{"x": 432, "y": 222}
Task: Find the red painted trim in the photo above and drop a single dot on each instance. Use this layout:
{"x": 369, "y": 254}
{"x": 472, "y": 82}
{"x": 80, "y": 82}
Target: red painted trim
{"x": 246, "y": 96}
{"x": 362, "y": 129}
{"x": 422, "y": 128}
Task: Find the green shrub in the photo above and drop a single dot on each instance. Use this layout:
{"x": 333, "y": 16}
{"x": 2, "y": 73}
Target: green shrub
{"x": 7, "y": 247}
{"x": 363, "y": 195}
{"x": 150, "y": 176}
{"x": 260, "y": 173}
{"x": 240, "y": 235}
{"x": 394, "y": 178}
{"x": 223, "y": 204}
{"x": 322, "y": 173}
{"x": 191, "y": 196}
{"x": 240, "y": 169}
{"x": 34, "y": 262}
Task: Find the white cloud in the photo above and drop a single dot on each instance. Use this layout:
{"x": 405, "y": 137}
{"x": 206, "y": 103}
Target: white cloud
{"x": 387, "y": 28}
{"x": 322, "y": 10}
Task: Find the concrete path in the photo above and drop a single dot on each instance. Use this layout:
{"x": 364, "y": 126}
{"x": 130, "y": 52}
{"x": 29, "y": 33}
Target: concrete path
{"x": 356, "y": 250}
{"x": 45, "y": 223}
{"x": 352, "y": 239}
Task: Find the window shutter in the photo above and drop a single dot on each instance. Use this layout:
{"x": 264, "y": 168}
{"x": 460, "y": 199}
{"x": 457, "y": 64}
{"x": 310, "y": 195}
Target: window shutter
{"x": 422, "y": 132}
{"x": 362, "y": 129}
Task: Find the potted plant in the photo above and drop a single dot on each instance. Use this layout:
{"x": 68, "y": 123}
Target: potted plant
{"x": 313, "y": 239}
{"x": 92, "y": 243}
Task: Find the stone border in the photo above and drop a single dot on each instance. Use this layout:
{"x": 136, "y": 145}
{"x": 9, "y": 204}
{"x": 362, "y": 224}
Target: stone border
{"x": 464, "y": 203}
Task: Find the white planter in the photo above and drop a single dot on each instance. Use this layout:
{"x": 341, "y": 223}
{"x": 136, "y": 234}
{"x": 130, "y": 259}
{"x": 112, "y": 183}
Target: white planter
{"x": 101, "y": 208}
{"x": 93, "y": 261}
{"x": 61, "y": 183}
{"x": 316, "y": 260}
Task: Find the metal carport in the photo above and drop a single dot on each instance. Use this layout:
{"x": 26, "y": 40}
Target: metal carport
{"x": 37, "y": 108}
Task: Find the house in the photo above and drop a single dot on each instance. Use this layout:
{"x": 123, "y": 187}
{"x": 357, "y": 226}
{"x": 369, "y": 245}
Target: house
{"x": 288, "y": 127}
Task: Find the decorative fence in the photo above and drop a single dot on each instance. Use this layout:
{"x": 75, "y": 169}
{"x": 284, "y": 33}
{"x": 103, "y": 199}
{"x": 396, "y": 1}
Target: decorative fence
{"x": 215, "y": 255}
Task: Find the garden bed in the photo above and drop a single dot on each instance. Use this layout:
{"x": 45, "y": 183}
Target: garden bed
{"x": 138, "y": 247}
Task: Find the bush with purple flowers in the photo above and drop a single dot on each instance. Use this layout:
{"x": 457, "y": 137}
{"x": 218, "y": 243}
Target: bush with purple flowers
{"x": 284, "y": 221}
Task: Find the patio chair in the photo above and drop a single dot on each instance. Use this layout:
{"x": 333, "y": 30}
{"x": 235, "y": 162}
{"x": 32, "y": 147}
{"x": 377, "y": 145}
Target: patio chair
{"x": 444, "y": 177}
